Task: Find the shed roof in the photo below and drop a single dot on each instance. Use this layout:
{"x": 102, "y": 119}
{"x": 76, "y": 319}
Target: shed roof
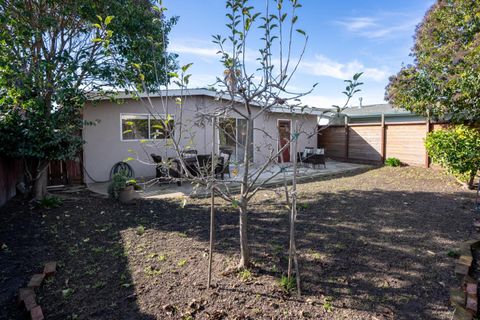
{"x": 375, "y": 110}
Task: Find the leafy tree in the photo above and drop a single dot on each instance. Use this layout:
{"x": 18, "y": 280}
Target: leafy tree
{"x": 53, "y": 54}
{"x": 444, "y": 79}
{"x": 457, "y": 149}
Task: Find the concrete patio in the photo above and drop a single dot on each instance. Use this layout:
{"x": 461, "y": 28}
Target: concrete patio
{"x": 172, "y": 190}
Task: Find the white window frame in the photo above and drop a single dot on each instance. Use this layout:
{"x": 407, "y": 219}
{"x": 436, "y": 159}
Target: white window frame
{"x": 149, "y": 116}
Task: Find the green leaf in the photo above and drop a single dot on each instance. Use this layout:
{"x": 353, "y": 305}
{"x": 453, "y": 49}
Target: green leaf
{"x": 301, "y": 32}
{"x": 186, "y": 67}
{"x": 108, "y": 19}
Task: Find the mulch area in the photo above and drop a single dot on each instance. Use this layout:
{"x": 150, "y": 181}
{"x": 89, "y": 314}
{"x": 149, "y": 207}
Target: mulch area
{"x": 372, "y": 245}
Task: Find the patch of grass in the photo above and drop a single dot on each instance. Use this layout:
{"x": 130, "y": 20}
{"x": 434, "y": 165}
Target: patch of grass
{"x": 316, "y": 256}
{"x": 245, "y": 274}
{"x": 392, "y": 162}
{"x": 67, "y": 293}
{"x": 287, "y": 284}
{"x": 453, "y": 254}
{"x": 140, "y": 230}
{"x": 182, "y": 234}
{"x": 327, "y": 304}
{"x": 151, "y": 271}
{"x": 50, "y": 202}
{"x": 99, "y": 284}
{"x": 98, "y": 249}
{"x": 182, "y": 262}
{"x": 277, "y": 248}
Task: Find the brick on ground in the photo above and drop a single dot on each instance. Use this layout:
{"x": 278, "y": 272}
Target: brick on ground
{"x": 23, "y": 292}
{"x": 457, "y": 297}
{"x": 461, "y": 269}
{"x": 465, "y": 260}
{"x": 36, "y": 313}
{"x": 29, "y": 302}
{"x": 472, "y": 303}
{"x": 36, "y": 280}
{"x": 462, "y": 314}
{"x": 471, "y": 288}
{"x": 50, "y": 268}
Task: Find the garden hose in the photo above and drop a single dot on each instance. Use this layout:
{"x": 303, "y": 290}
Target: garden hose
{"x": 122, "y": 166}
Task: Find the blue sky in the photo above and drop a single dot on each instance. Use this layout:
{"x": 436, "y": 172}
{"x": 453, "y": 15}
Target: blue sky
{"x": 373, "y": 36}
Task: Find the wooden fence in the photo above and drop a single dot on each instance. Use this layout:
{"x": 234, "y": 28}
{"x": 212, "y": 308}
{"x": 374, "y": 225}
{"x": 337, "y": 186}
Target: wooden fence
{"x": 375, "y": 142}
{"x": 11, "y": 173}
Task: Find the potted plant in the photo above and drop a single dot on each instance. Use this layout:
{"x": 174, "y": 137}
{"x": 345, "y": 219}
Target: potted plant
{"x": 122, "y": 187}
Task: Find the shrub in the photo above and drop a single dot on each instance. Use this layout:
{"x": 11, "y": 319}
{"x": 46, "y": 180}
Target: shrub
{"x": 120, "y": 181}
{"x": 457, "y": 150}
{"x": 287, "y": 284}
{"x": 245, "y": 275}
{"x": 392, "y": 162}
{"x": 50, "y": 202}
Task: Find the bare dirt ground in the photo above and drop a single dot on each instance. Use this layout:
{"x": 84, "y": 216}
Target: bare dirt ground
{"x": 372, "y": 245}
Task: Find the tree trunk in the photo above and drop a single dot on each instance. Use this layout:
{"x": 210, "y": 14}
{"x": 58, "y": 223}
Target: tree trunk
{"x": 40, "y": 185}
{"x": 244, "y": 249}
{"x": 471, "y": 181}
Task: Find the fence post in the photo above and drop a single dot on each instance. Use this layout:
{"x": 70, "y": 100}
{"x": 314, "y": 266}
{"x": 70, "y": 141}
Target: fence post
{"x": 347, "y": 134}
{"x": 427, "y": 129}
{"x": 382, "y": 139}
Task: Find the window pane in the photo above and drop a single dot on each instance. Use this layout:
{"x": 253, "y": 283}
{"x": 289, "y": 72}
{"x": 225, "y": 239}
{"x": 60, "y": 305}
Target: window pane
{"x": 227, "y": 134}
{"x": 242, "y": 139}
{"x": 134, "y": 127}
{"x": 161, "y": 129}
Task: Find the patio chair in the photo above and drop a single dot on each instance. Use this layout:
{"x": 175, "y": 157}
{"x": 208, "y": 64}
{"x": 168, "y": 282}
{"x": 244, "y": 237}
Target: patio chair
{"x": 164, "y": 173}
{"x": 302, "y": 156}
{"x": 190, "y": 153}
{"x": 313, "y": 156}
{"x": 159, "y": 169}
{"x": 317, "y": 158}
{"x": 223, "y": 167}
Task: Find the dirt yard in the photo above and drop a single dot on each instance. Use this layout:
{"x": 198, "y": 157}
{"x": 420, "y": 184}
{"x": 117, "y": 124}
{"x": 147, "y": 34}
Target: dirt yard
{"x": 372, "y": 245}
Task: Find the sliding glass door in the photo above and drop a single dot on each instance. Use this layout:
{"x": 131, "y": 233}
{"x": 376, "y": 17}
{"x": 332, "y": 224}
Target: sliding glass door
{"x": 233, "y": 137}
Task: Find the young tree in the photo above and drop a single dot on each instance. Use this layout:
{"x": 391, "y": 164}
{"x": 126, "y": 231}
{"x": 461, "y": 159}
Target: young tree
{"x": 444, "y": 79}
{"x": 249, "y": 89}
{"x": 53, "y": 54}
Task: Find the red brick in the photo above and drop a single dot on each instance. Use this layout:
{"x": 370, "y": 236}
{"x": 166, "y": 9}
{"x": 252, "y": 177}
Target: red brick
{"x": 23, "y": 292}
{"x": 461, "y": 269}
{"x": 36, "y": 313}
{"x": 472, "y": 303}
{"x": 471, "y": 288}
{"x": 465, "y": 260}
{"x": 50, "y": 269}
{"x": 29, "y": 302}
{"x": 36, "y": 280}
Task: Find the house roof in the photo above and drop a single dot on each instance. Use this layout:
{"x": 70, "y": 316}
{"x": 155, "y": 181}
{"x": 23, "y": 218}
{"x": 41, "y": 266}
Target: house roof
{"x": 375, "y": 110}
{"x": 208, "y": 93}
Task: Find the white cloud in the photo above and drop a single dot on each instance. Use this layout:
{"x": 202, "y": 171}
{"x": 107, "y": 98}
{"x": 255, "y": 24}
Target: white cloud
{"x": 382, "y": 27}
{"x": 358, "y": 24}
{"x": 323, "y": 66}
{"x": 207, "y": 52}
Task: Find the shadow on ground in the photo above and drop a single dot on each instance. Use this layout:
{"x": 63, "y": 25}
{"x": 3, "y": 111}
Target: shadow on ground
{"x": 373, "y": 250}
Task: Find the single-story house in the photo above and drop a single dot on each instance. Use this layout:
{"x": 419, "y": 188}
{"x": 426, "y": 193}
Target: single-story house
{"x": 131, "y": 129}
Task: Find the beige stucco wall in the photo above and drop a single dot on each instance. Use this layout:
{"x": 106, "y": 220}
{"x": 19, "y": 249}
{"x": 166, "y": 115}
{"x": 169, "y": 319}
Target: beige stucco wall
{"x": 104, "y": 146}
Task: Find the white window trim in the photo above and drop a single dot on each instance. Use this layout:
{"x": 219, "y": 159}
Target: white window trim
{"x": 161, "y": 116}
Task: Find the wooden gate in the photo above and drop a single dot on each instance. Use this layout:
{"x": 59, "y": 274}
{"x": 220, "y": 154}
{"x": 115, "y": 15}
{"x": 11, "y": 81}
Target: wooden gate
{"x": 67, "y": 172}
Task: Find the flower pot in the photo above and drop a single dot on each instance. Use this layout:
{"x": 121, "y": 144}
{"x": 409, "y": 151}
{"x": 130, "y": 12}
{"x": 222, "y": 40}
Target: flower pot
{"x": 127, "y": 194}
